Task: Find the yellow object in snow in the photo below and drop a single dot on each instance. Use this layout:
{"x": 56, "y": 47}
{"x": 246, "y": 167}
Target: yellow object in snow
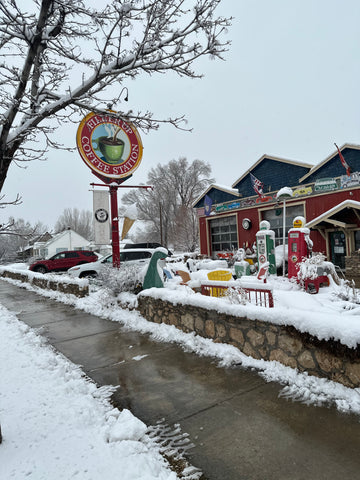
{"x": 222, "y": 276}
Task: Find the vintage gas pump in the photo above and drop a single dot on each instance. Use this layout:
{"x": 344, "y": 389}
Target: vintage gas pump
{"x": 242, "y": 267}
{"x": 265, "y": 246}
{"x": 299, "y": 245}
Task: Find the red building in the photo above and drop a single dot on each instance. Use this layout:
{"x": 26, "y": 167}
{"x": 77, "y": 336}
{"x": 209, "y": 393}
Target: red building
{"x": 327, "y": 195}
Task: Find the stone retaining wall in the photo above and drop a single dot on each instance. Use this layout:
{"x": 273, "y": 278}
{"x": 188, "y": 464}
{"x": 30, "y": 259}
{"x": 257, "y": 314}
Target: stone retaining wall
{"x": 258, "y": 339}
{"x": 261, "y": 340}
{"x": 47, "y": 284}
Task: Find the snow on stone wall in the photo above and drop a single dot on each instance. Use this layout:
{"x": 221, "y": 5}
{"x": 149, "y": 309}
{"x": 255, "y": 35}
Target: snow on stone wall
{"x": 261, "y": 340}
{"x": 77, "y": 287}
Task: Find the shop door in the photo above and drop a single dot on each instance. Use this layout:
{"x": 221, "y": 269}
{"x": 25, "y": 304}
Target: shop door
{"x": 338, "y": 248}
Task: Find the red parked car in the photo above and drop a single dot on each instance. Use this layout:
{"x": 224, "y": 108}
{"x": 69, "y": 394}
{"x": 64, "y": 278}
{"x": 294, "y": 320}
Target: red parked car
{"x": 63, "y": 261}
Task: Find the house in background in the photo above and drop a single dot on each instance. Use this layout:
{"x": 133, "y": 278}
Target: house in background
{"x": 66, "y": 240}
{"x": 61, "y": 242}
{"x": 35, "y": 245}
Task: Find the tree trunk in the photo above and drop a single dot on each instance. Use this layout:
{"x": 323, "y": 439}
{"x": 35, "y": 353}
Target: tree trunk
{"x": 4, "y": 167}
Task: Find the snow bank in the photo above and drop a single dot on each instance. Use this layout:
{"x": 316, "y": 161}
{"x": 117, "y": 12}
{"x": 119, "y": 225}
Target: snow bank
{"x": 82, "y": 282}
{"x": 58, "y": 425}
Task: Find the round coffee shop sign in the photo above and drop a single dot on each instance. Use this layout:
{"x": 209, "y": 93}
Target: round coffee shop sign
{"x": 110, "y": 146}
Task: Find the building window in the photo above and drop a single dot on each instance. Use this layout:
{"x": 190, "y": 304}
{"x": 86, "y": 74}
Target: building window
{"x": 275, "y": 217}
{"x": 224, "y": 234}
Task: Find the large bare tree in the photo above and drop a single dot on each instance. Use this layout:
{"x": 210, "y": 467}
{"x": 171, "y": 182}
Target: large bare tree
{"x": 81, "y": 221}
{"x": 16, "y": 234}
{"x": 167, "y": 207}
{"x": 59, "y": 58}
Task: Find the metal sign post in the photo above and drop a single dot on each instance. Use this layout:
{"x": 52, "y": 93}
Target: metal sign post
{"x": 115, "y": 226}
{"x": 115, "y": 217}
{"x": 282, "y": 195}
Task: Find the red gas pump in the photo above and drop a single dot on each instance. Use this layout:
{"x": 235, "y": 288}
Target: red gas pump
{"x": 299, "y": 245}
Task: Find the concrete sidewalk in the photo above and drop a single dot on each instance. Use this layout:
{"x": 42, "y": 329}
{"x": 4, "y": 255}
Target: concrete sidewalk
{"x": 241, "y": 429}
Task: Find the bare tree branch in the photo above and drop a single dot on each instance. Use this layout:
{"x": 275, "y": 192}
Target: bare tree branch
{"x": 17, "y": 201}
{"x": 59, "y": 58}
{"x": 175, "y": 187}
{"x": 81, "y": 221}
{"x": 15, "y": 236}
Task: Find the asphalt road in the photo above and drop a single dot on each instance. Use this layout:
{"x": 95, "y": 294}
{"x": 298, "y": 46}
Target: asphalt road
{"x": 239, "y": 426}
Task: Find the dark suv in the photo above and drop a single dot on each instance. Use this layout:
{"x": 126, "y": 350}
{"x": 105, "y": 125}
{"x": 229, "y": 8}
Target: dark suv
{"x": 63, "y": 261}
{"x": 152, "y": 245}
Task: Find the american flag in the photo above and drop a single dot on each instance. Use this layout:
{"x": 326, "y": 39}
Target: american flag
{"x": 257, "y": 185}
{"x": 343, "y": 161}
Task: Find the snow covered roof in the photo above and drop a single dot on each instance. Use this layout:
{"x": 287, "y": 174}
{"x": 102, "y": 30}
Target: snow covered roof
{"x": 327, "y": 159}
{"x": 276, "y": 159}
{"x": 217, "y": 186}
{"x": 62, "y": 234}
{"x": 326, "y": 216}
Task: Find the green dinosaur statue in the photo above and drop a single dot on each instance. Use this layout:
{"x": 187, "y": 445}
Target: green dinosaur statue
{"x": 152, "y": 276}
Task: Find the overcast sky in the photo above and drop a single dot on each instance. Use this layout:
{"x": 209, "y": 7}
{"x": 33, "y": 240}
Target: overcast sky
{"x": 289, "y": 87}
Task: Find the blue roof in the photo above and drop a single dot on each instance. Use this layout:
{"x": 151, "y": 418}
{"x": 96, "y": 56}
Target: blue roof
{"x": 217, "y": 195}
{"x": 274, "y": 173}
{"x": 332, "y": 166}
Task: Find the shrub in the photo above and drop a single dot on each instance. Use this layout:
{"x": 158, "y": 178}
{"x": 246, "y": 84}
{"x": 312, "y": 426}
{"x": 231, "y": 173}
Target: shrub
{"x": 128, "y": 278}
{"x": 237, "y": 296}
{"x": 348, "y": 293}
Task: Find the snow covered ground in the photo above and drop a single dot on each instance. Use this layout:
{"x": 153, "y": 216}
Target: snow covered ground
{"x": 57, "y": 425}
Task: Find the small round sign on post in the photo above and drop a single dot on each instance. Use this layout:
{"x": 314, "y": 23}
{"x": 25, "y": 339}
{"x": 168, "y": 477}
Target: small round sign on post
{"x": 101, "y": 215}
{"x": 109, "y": 146}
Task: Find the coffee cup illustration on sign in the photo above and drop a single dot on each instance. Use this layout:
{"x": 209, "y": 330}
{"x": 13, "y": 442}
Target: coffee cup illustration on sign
{"x": 111, "y": 148}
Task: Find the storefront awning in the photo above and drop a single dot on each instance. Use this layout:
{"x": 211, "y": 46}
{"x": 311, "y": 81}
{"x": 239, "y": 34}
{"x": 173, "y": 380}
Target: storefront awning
{"x": 345, "y": 215}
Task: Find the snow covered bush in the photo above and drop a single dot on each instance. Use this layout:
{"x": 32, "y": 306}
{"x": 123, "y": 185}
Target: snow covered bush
{"x": 128, "y": 278}
{"x": 348, "y": 293}
{"x": 236, "y": 296}
{"x": 308, "y": 268}
{"x": 316, "y": 265}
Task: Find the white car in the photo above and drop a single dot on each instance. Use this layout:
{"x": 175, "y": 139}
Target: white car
{"x": 133, "y": 255}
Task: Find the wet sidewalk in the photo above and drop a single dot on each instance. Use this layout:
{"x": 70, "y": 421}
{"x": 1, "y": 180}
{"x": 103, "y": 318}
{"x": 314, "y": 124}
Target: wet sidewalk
{"x": 239, "y": 426}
